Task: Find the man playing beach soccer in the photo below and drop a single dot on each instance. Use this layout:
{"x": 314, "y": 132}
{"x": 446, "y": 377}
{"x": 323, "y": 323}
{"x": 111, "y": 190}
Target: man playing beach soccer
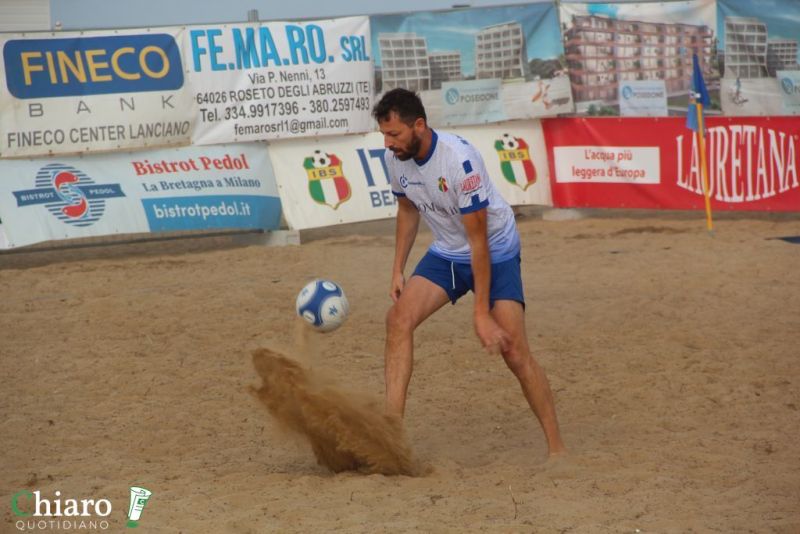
{"x": 476, "y": 247}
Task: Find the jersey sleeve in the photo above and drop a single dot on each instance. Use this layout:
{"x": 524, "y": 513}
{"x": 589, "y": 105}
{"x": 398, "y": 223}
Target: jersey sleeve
{"x": 391, "y": 169}
{"x": 471, "y": 180}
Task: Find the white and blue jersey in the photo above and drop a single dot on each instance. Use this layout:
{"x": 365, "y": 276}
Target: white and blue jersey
{"x": 450, "y": 182}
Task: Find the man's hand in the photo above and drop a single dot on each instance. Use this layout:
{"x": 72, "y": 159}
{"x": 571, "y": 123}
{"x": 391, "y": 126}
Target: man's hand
{"x": 493, "y": 338}
{"x": 398, "y": 283}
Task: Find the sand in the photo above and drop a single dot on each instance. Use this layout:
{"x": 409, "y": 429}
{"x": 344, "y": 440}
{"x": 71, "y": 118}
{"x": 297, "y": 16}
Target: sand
{"x": 673, "y": 357}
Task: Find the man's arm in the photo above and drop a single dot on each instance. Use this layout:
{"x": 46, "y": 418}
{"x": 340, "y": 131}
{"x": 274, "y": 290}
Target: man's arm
{"x": 489, "y": 332}
{"x": 405, "y": 234}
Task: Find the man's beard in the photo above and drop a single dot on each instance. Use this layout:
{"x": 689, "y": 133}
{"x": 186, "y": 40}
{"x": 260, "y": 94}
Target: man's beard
{"x": 413, "y": 149}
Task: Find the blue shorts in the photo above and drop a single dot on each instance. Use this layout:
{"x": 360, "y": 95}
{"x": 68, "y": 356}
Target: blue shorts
{"x": 456, "y": 278}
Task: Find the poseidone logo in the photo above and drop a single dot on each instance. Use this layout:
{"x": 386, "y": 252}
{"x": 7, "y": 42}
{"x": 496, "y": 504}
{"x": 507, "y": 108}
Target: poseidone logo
{"x": 515, "y": 161}
{"x": 326, "y": 182}
{"x": 69, "y": 194}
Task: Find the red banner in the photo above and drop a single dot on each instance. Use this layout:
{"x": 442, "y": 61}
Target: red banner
{"x": 654, "y": 163}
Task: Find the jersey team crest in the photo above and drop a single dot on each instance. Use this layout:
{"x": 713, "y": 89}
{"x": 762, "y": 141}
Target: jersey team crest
{"x": 326, "y": 182}
{"x": 515, "y": 161}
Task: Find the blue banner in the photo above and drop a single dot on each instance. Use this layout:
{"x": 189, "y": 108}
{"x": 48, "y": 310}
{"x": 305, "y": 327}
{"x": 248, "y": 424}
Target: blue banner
{"x": 207, "y": 212}
{"x": 42, "y": 68}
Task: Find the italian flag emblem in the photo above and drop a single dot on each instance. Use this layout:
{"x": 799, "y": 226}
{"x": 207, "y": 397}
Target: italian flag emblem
{"x": 442, "y": 184}
{"x": 326, "y": 182}
{"x": 515, "y": 161}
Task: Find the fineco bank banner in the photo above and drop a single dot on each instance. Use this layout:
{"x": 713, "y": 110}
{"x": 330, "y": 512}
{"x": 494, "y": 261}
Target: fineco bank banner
{"x": 275, "y": 80}
{"x": 87, "y": 91}
{"x": 197, "y": 188}
{"x": 341, "y": 180}
{"x": 77, "y": 92}
{"x": 651, "y": 163}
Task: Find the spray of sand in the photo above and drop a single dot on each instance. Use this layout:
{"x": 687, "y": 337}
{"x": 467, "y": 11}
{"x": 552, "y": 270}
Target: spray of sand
{"x": 347, "y": 432}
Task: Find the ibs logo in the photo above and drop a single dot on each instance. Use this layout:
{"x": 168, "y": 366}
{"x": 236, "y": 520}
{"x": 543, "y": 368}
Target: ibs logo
{"x": 69, "y": 195}
{"x": 515, "y": 157}
{"x": 326, "y": 182}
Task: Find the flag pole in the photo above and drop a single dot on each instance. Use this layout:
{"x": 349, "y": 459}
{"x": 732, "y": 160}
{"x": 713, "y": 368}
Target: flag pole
{"x": 703, "y": 168}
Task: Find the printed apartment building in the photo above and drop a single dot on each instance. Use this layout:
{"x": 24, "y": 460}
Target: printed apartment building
{"x": 745, "y": 48}
{"x": 781, "y": 55}
{"x": 404, "y": 61}
{"x": 602, "y": 52}
{"x": 445, "y": 66}
{"x": 500, "y": 52}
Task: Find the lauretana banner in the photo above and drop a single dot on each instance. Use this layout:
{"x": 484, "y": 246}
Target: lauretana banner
{"x": 197, "y": 188}
{"x": 655, "y": 163}
{"x": 339, "y": 180}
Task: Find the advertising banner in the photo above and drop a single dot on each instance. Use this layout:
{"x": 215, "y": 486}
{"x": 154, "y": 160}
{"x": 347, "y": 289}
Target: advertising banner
{"x": 340, "y": 180}
{"x": 789, "y": 81}
{"x": 198, "y": 188}
{"x": 447, "y": 56}
{"x": 759, "y": 47}
{"x": 610, "y": 44}
{"x": 643, "y": 98}
{"x": 274, "y": 80}
{"x": 655, "y": 163}
{"x": 92, "y": 91}
{"x": 471, "y": 102}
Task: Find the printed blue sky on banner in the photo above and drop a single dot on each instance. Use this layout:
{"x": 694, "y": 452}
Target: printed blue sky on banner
{"x": 782, "y": 17}
{"x": 609, "y": 10}
{"x": 456, "y": 29}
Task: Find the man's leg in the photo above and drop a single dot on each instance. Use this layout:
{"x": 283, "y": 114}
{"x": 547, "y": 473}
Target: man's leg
{"x": 510, "y": 315}
{"x": 419, "y": 299}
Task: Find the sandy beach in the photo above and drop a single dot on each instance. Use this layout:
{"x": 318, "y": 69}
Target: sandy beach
{"x": 672, "y": 354}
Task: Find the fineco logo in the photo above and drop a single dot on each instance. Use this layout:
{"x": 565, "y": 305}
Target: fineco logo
{"x": 36, "y": 512}
{"x": 69, "y": 194}
{"x": 452, "y": 96}
{"x": 789, "y": 87}
{"x": 77, "y": 66}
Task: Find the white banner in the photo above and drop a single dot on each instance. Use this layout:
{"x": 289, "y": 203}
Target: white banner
{"x": 607, "y": 164}
{"x": 643, "y": 98}
{"x": 341, "y": 180}
{"x": 197, "y": 188}
{"x": 275, "y": 80}
{"x": 92, "y": 91}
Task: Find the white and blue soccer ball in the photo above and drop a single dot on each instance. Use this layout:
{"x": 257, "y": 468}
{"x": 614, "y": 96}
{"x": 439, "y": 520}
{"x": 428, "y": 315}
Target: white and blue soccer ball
{"x": 323, "y": 305}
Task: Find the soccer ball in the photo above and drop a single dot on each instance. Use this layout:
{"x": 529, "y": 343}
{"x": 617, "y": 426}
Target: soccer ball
{"x": 509, "y": 143}
{"x": 320, "y": 159}
{"x": 323, "y": 305}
